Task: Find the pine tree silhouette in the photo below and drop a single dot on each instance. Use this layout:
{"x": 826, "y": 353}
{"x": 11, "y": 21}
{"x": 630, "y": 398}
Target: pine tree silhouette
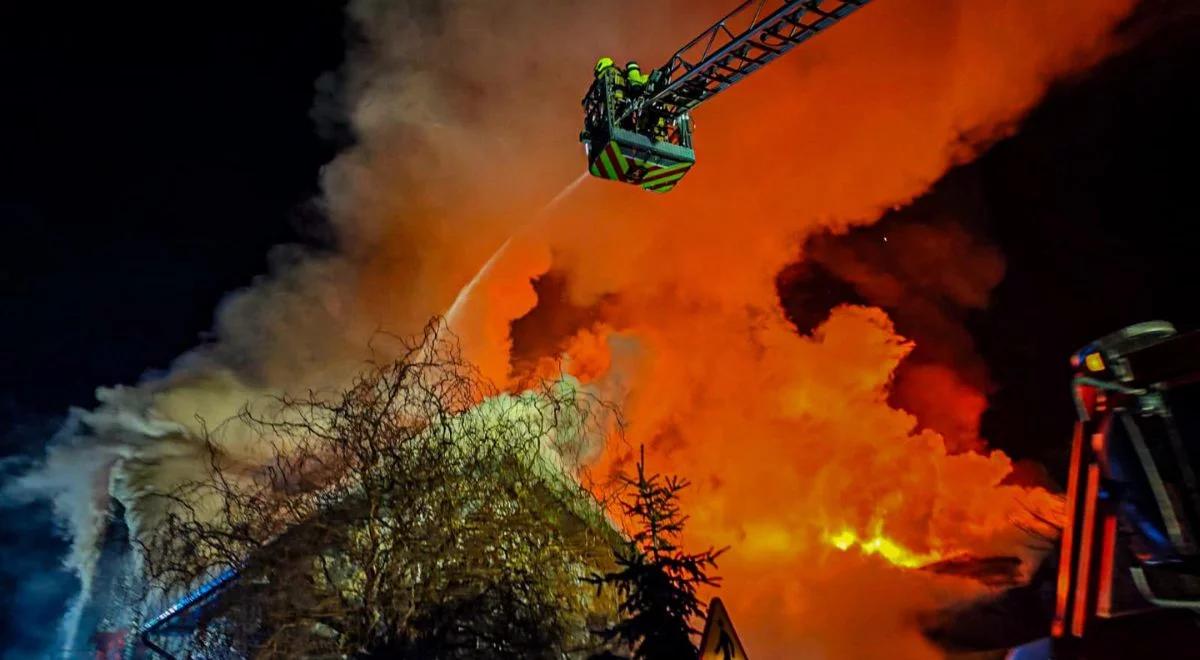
{"x": 656, "y": 579}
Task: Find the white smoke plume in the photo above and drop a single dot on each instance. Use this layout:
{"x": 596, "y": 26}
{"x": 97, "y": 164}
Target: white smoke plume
{"x": 406, "y": 243}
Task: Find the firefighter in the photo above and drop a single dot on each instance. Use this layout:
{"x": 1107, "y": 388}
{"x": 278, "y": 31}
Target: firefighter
{"x": 602, "y": 65}
{"x": 661, "y": 131}
{"x": 637, "y": 79}
{"x": 606, "y": 68}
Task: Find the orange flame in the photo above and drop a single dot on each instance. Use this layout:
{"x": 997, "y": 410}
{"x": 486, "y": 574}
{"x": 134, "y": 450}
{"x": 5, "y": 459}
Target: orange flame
{"x": 882, "y": 546}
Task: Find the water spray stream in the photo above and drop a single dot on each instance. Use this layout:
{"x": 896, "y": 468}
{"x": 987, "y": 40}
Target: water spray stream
{"x": 466, "y": 291}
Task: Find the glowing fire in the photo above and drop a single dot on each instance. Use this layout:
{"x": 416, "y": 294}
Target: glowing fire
{"x": 882, "y": 546}
{"x": 827, "y": 494}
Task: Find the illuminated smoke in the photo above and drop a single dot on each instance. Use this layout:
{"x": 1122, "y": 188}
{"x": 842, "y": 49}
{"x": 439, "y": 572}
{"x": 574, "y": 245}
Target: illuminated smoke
{"x": 800, "y": 455}
{"x": 466, "y": 116}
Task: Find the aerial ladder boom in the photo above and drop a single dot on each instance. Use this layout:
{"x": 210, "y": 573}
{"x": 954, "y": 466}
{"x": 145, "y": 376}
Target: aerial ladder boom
{"x": 192, "y": 600}
{"x": 646, "y": 138}
{"x": 719, "y": 57}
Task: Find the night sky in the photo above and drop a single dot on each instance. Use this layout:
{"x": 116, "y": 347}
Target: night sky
{"x": 1093, "y": 205}
{"x": 162, "y": 163}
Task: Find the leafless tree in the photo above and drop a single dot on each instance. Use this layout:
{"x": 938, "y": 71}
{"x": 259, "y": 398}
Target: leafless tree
{"x": 417, "y": 513}
{"x": 1042, "y": 526}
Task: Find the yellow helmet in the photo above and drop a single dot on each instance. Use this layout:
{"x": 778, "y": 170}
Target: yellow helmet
{"x": 602, "y": 64}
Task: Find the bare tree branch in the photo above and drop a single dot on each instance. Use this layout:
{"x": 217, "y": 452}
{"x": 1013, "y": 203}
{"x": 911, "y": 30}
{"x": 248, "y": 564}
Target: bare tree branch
{"x": 418, "y": 513}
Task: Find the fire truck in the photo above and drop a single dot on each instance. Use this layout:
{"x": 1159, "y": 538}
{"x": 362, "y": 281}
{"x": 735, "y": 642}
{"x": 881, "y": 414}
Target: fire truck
{"x": 1128, "y": 582}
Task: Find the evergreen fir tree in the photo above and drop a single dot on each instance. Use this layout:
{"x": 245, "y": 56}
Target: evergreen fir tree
{"x": 656, "y": 579}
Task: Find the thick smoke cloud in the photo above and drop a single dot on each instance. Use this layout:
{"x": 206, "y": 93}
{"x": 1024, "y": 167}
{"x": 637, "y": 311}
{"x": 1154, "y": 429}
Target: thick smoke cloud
{"x": 930, "y": 272}
{"x": 796, "y": 442}
{"x": 465, "y": 116}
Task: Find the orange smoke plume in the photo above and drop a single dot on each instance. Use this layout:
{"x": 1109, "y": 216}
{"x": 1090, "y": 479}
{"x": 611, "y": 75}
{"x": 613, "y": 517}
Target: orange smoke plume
{"x": 829, "y": 496}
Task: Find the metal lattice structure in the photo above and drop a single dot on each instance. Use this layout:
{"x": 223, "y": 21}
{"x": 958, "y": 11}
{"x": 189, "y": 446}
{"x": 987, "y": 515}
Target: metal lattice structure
{"x": 194, "y": 600}
{"x": 745, "y": 40}
{"x": 642, "y": 134}
{"x": 196, "y": 597}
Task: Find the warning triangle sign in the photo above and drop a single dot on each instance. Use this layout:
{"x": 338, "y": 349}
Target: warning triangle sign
{"x": 720, "y": 640}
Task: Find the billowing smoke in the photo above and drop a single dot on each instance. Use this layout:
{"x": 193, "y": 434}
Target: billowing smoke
{"x": 929, "y": 273}
{"x": 466, "y": 116}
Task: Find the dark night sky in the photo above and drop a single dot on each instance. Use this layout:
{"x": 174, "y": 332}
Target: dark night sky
{"x": 1093, "y": 204}
{"x": 168, "y": 151}
{"x": 162, "y": 163}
